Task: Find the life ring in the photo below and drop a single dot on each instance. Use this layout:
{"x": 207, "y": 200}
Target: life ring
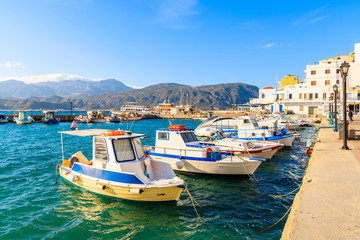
{"x": 309, "y": 152}
{"x": 330, "y": 116}
{"x": 209, "y": 152}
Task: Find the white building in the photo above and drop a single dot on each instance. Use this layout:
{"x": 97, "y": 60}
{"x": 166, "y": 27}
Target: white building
{"x": 313, "y": 96}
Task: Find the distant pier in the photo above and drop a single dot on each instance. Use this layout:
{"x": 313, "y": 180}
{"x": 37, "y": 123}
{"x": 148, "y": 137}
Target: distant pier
{"x": 327, "y": 205}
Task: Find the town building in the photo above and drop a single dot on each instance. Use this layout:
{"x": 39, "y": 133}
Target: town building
{"x": 312, "y": 97}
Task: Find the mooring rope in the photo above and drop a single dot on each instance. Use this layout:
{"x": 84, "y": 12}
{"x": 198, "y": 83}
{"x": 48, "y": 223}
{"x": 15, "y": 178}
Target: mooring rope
{"x": 56, "y": 170}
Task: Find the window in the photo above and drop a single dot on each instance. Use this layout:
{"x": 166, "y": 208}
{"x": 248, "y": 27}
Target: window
{"x": 316, "y": 95}
{"x": 337, "y": 81}
{"x": 246, "y": 121}
{"x": 329, "y": 62}
{"x": 123, "y": 150}
{"x": 310, "y": 96}
{"x": 290, "y": 95}
{"x": 327, "y": 82}
{"x": 301, "y": 108}
{"x": 100, "y": 149}
{"x": 263, "y": 95}
{"x": 327, "y": 71}
{"x": 324, "y": 96}
{"x": 337, "y": 70}
{"x": 300, "y": 95}
{"x": 305, "y": 96}
{"x": 313, "y": 72}
{"x": 139, "y": 148}
{"x": 189, "y": 137}
{"x": 313, "y": 83}
{"x": 163, "y": 136}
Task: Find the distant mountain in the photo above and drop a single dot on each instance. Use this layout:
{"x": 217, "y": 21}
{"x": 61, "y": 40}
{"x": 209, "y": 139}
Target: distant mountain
{"x": 204, "y": 97}
{"x": 67, "y": 88}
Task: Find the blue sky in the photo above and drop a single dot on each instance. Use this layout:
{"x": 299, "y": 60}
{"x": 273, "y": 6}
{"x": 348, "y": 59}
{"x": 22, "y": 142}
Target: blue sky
{"x": 192, "y": 42}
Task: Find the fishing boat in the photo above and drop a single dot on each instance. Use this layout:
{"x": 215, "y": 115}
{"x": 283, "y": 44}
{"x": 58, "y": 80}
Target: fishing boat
{"x": 119, "y": 169}
{"x": 23, "y": 118}
{"x": 180, "y": 148}
{"x": 50, "y": 117}
{"x": 113, "y": 118}
{"x": 249, "y": 148}
{"x": 96, "y": 117}
{"x": 246, "y": 128}
{"x": 3, "y": 119}
{"x": 82, "y": 119}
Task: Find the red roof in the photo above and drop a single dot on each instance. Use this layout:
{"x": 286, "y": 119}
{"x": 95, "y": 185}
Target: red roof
{"x": 268, "y": 88}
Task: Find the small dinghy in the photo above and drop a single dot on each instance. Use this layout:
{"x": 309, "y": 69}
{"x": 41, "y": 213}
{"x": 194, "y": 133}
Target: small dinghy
{"x": 180, "y": 148}
{"x": 119, "y": 169}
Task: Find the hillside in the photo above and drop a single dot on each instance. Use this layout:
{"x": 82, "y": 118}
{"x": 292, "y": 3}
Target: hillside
{"x": 220, "y": 96}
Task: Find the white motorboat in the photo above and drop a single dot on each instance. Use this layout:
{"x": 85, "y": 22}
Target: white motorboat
{"x": 185, "y": 153}
{"x": 119, "y": 169}
{"x": 277, "y": 121}
{"x": 248, "y": 148}
{"x": 246, "y": 128}
{"x": 23, "y": 118}
{"x": 113, "y": 118}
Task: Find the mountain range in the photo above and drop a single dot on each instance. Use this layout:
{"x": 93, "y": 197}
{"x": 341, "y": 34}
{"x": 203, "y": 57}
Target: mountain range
{"x": 112, "y": 94}
{"x": 67, "y": 88}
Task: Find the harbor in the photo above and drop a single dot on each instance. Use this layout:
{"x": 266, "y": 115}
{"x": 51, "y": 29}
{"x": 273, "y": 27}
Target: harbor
{"x": 230, "y": 207}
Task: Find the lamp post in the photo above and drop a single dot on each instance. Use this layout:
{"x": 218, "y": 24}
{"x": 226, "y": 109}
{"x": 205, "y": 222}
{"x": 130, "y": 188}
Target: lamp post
{"x": 71, "y": 101}
{"x": 331, "y": 104}
{"x": 336, "y": 91}
{"x": 344, "y": 72}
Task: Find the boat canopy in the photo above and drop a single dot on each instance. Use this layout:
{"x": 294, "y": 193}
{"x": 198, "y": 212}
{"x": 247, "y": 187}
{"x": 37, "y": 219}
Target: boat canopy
{"x": 99, "y": 132}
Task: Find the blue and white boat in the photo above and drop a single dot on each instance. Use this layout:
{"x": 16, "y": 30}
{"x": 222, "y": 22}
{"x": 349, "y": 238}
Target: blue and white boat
{"x": 180, "y": 148}
{"x": 50, "y": 117}
{"x": 23, "y": 118}
{"x": 119, "y": 168}
{"x": 3, "y": 119}
{"x": 245, "y": 128}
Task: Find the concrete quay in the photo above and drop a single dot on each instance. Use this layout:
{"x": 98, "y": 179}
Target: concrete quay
{"x": 327, "y": 205}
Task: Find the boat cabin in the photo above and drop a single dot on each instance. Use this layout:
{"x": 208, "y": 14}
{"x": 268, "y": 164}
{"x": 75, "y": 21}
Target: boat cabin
{"x": 22, "y": 115}
{"x": 116, "y": 151}
{"x": 177, "y": 137}
{"x": 50, "y": 114}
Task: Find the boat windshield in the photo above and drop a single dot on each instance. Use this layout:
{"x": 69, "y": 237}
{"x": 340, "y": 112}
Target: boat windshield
{"x": 207, "y": 120}
{"x": 123, "y": 150}
{"x": 189, "y": 137}
{"x": 254, "y": 122}
{"x": 139, "y": 148}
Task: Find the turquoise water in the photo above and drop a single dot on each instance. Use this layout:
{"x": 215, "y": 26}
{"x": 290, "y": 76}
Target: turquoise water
{"x": 32, "y": 207}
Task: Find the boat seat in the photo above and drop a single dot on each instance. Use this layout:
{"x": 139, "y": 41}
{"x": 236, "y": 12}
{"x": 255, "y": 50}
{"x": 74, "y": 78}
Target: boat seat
{"x": 78, "y": 157}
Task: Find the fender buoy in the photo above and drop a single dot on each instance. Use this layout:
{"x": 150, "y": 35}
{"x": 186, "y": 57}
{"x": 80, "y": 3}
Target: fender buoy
{"x": 209, "y": 152}
{"x": 309, "y": 152}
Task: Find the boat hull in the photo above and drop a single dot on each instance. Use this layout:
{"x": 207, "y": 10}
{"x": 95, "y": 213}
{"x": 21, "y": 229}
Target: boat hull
{"x": 148, "y": 194}
{"x": 23, "y": 122}
{"x": 222, "y": 167}
{"x": 266, "y": 153}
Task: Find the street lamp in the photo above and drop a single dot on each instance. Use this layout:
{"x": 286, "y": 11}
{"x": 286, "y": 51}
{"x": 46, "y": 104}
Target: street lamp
{"x": 71, "y": 101}
{"x": 336, "y": 91}
{"x": 331, "y": 105}
{"x": 344, "y": 72}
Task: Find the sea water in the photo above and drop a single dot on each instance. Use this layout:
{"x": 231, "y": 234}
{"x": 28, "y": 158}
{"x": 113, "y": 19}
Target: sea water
{"x": 32, "y": 207}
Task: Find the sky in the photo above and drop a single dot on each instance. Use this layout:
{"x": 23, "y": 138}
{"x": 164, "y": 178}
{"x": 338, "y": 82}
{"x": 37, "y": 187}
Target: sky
{"x": 191, "y": 42}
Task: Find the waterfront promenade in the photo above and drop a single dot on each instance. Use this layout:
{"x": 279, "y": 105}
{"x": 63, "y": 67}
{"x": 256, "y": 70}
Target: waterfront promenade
{"x": 327, "y": 205}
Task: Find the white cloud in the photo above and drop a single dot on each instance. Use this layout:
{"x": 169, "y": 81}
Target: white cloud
{"x": 174, "y": 9}
{"x": 11, "y": 64}
{"x": 135, "y": 87}
{"x": 310, "y": 17}
{"x": 269, "y": 45}
{"x": 57, "y": 77}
